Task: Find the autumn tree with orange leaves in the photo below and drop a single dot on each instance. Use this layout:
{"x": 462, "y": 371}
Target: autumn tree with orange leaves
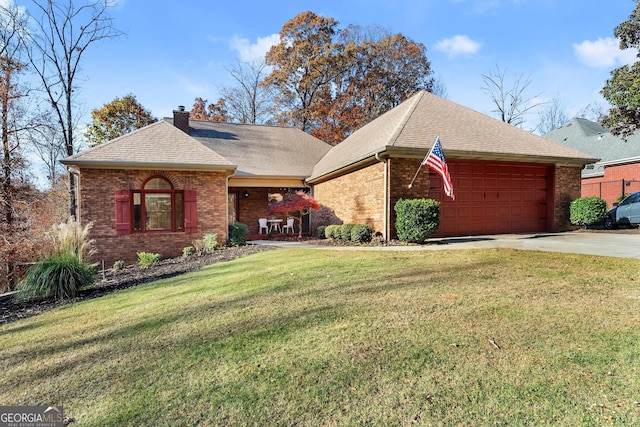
{"x": 330, "y": 82}
{"x": 212, "y": 112}
{"x": 295, "y": 205}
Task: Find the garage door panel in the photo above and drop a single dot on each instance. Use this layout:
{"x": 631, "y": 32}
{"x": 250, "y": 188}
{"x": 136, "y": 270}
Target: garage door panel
{"x": 493, "y": 198}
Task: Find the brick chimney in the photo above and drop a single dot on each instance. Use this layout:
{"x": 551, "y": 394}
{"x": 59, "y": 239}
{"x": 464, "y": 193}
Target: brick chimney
{"x": 181, "y": 119}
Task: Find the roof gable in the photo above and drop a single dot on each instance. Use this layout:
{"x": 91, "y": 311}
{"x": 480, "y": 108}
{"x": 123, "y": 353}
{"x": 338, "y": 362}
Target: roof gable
{"x": 158, "y": 145}
{"x": 464, "y": 134}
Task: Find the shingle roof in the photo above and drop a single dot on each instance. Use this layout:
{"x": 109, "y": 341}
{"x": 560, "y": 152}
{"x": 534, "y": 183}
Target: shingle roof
{"x": 159, "y": 145}
{"x": 590, "y": 137}
{"x": 464, "y": 134}
{"x": 262, "y": 150}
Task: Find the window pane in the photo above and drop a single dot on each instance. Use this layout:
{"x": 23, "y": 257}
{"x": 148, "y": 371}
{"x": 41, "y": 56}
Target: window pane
{"x": 157, "y": 184}
{"x": 137, "y": 212}
{"x": 179, "y": 212}
{"x": 158, "y": 207}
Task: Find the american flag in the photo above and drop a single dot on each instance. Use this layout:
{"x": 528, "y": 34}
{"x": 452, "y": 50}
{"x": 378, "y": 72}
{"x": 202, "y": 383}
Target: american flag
{"x": 435, "y": 160}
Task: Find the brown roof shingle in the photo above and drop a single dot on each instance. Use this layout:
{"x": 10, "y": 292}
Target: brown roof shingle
{"x": 262, "y": 150}
{"x": 159, "y": 145}
{"x": 464, "y": 134}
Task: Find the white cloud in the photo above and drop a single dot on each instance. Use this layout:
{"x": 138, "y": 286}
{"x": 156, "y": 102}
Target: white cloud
{"x": 458, "y": 45}
{"x": 249, "y": 51}
{"x": 603, "y": 53}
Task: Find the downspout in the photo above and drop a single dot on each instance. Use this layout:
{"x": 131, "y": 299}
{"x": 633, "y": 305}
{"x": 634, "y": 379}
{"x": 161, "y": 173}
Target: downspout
{"x": 226, "y": 202}
{"x": 385, "y": 211}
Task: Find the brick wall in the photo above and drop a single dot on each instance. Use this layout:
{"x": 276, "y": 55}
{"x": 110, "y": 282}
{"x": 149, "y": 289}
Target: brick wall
{"x": 609, "y": 187}
{"x": 401, "y": 172}
{"x": 356, "y": 198}
{"x": 97, "y": 189}
{"x": 256, "y": 205}
{"x": 567, "y": 188}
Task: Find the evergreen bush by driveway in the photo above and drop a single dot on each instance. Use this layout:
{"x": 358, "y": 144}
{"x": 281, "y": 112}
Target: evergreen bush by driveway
{"x": 417, "y": 219}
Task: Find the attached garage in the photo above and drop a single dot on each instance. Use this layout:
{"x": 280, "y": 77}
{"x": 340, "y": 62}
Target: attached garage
{"x": 496, "y": 197}
{"x": 505, "y": 180}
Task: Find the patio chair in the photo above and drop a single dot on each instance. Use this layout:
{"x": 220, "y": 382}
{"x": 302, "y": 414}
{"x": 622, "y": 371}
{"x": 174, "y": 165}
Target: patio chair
{"x": 288, "y": 226}
{"x": 263, "y": 225}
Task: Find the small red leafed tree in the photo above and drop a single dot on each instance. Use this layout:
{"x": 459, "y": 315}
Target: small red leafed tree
{"x": 295, "y": 205}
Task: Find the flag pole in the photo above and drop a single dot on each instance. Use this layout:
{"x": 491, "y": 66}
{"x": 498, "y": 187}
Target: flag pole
{"x": 423, "y": 160}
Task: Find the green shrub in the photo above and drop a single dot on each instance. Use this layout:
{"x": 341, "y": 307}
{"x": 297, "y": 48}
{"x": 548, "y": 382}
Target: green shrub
{"x": 587, "y": 211}
{"x": 417, "y": 219}
{"x": 57, "y": 277}
{"x": 147, "y": 259}
{"x": 118, "y": 265}
{"x": 188, "y": 251}
{"x": 345, "y": 231}
{"x": 361, "y": 233}
{"x": 210, "y": 242}
{"x": 321, "y": 232}
{"x": 332, "y": 231}
{"x": 237, "y": 234}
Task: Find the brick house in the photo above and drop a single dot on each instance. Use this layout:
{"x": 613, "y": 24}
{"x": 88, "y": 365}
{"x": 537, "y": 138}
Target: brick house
{"x": 617, "y": 172}
{"x": 160, "y": 187}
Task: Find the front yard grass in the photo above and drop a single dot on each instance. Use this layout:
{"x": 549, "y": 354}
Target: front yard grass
{"x": 310, "y": 337}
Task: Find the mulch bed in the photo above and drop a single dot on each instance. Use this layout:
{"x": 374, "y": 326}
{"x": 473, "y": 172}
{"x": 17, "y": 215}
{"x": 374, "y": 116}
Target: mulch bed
{"x": 113, "y": 280}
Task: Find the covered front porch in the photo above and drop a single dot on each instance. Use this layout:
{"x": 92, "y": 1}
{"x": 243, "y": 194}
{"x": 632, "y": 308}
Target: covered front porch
{"x": 248, "y": 202}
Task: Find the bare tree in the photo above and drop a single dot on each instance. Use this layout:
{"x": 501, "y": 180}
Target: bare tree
{"x": 248, "y": 101}
{"x": 12, "y": 27}
{"x": 595, "y": 112}
{"x": 552, "y": 116}
{"x": 65, "y": 31}
{"x": 438, "y": 88}
{"x": 512, "y": 102}
{"x": 48, "y": 144}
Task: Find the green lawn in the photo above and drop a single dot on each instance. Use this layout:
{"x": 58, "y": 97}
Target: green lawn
{"x": 311, "y": 337}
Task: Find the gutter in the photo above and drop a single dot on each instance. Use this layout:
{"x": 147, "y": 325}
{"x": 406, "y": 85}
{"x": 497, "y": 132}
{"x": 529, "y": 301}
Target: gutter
{"x": 96, "y": 164}
{"x": 385, "y": 210}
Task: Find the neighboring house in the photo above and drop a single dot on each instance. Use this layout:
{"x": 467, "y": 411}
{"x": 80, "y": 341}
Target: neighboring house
{"x": 163, "y": 186}
{"x": 617, "y": 172}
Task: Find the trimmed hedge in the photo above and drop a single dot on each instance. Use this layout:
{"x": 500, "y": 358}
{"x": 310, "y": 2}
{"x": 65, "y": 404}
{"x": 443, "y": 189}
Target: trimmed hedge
{"x": 332, "y": 231}
{"x": 587, "y": 211}
{"x": 345, "y": 231}
{"x": 417, "y": 219}
{"x": 361, "y": 233}
{"x": 321, "y": 232}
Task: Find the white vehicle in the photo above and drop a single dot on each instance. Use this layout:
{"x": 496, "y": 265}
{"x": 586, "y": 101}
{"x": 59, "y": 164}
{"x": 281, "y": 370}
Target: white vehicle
{"x": 627, "y": 212}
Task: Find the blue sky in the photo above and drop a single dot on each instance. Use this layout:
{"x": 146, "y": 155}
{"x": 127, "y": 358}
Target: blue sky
{"x": 174, "y": 51}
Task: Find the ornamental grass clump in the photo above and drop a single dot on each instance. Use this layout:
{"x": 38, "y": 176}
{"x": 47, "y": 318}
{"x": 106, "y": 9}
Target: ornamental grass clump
{"x": 65, "y": 269}
{"x": 57, "y": 277}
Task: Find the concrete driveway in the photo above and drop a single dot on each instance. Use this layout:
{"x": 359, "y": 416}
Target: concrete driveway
{"x": 624, "y": 243}
{"x": 615, "y": 244}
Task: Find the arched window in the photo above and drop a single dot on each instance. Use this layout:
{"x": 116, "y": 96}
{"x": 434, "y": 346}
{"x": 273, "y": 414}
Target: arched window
{"x": 158, "y": 206}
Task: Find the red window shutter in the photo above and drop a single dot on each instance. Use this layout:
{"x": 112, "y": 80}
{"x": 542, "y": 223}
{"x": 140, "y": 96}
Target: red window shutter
{"x": 123, "y": 212}
{"x": 190, "y": 211}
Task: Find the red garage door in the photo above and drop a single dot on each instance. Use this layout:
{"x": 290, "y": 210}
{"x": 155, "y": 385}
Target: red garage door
{"x": 493, "y": 198}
